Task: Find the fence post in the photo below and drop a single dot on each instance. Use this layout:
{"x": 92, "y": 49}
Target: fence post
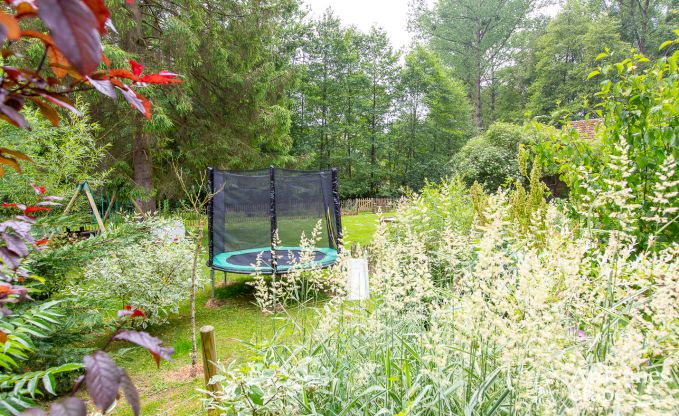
{"x": 208, "y": 347}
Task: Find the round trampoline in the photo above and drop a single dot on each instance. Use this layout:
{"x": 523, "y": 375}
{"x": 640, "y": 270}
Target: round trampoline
{"x": 259, "y": 259}
{"x": 264, "y": 214}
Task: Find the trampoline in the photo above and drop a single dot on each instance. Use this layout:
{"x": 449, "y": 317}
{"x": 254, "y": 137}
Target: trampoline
{"x": 256, "y": 219}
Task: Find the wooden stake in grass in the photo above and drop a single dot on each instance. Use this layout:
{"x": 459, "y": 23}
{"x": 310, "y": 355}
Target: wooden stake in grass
{"x": 207, "y": 342}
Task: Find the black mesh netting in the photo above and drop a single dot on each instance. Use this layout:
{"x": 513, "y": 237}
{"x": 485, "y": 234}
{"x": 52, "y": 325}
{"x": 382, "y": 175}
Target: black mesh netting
{"x": 248, "y": 203}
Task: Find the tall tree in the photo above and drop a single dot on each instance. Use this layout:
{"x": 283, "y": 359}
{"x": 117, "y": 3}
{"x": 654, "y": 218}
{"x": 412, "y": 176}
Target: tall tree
{"x": 380, "y": 65}
{"x": 232, "y": 110}
{"x": 645, "y": 24}
{"x": 565, "y": 54}
{"x": 471, "y": 36}
{"x": 434, "y": 120}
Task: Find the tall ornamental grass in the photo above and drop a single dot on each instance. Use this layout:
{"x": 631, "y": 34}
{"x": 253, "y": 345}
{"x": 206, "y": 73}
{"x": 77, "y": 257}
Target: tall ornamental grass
{"x": 480, "y": 320}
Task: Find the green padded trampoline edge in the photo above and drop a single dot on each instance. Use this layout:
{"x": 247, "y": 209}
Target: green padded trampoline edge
{"x": 221, "y": 260}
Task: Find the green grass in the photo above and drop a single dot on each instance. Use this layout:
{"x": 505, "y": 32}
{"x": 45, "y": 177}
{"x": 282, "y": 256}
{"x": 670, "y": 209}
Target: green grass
{"x": 169, "y": 390}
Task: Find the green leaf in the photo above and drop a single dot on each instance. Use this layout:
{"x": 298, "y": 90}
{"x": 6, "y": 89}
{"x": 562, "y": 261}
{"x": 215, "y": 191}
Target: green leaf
{"x": 49, "y": 382}
{"x": 593, "y": 73}
{"x": 665, "y": 44}
{"x": 256, "y": 395}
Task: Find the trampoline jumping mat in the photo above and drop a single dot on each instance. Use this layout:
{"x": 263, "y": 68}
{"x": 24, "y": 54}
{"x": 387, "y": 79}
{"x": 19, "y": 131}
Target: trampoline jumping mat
{"x": 245, "y": 261}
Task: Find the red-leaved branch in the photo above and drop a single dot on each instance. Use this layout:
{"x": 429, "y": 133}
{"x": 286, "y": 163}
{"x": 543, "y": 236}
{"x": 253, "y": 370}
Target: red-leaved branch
{"x": 73, "y": 60}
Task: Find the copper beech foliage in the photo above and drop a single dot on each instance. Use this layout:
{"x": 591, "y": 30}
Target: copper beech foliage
{"x": 72, "y": 61}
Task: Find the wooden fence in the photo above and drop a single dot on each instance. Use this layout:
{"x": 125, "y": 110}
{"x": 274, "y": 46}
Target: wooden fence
{"x": 191, "y": 219}
{"x": 357, "y": 205}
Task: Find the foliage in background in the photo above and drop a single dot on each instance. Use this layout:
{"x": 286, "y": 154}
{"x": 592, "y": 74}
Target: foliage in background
{"x": 62, "y": 156}
{"x": 626, "y": 179}
{"x": 491, "y": 157}
{"x": 564, "y": 55}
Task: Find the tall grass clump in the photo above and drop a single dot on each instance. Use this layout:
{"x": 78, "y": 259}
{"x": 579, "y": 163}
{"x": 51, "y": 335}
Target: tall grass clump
{"x": 550, "y": 321}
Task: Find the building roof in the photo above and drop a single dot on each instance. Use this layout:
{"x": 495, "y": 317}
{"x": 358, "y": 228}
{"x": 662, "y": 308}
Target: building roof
{"x": 586, "y": 128}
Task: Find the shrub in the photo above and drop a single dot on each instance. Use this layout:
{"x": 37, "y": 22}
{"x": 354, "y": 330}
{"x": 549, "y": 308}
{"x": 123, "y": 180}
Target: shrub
{"x": 153, "y": 275}
{"x": 490, "y": 158}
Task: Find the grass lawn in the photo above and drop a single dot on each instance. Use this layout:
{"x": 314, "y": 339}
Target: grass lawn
{"x": 170, "y": 390}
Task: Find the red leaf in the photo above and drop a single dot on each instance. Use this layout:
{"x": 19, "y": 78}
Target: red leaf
{"x": 159, "y": 79}
{"x": 131, "y": 393}
{"x": 152, "y": 344}
{"x": 105, "y": 60}
{"x": 11, "y": 28}
{"x": 137, "y": 313}
{"x": 98, "y": 7}
{"x": 104, "y": 86}
{"x": 58, "y": 62}
{"x": 103, "y": 379}
{"x": 59, "y": 100}
{"x": 48, "y": 112}
{"x": 133, "y": 99}
{"x": 74, "y": 29}
{"x": 44, "y": 37}
{"x": 25, "y": 9}
{"x": 11, "y": 115}
{"x": 7, "y": 205}
{"x": 39, "y": 190}
{"x": 33, "y": 209}
{"x": 136, "y": 67}
{"x": 42, "y": 242}
{"x": 123, "y": 73}
{"x": 70, "y": 406}
{"x": 147, "y": 105}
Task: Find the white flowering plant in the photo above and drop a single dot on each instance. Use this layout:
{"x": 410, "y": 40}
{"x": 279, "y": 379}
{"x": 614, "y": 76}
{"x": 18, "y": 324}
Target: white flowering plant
{"x": 300, "y": 284}
{"x": 152, "y": 275}
{"x": 547, "y": 321}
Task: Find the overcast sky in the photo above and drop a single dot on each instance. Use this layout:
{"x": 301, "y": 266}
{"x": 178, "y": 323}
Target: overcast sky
{"x": 392, "y": 15}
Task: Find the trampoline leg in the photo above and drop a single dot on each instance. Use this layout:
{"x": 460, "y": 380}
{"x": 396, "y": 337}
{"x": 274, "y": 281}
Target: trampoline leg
{"x": 212, "y": 279}
{"x": 224, "y": 278}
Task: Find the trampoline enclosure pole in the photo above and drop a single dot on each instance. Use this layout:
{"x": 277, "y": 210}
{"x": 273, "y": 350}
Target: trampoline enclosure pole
{"x": 338, "y": 211}
{"x": 274, "y": 220}
{"x": 210, "y": 213}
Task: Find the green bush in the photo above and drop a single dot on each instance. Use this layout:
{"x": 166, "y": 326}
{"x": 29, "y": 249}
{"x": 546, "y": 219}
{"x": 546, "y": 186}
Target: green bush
{"x": 491, "y": 158}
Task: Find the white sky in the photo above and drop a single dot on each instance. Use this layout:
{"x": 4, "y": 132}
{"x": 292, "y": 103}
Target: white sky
{"x": 391, "y": 15}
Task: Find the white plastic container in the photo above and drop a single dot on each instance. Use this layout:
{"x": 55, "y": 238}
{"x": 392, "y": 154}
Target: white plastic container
{"x": 358, "y": 287}
{"x": 172, "y": 231}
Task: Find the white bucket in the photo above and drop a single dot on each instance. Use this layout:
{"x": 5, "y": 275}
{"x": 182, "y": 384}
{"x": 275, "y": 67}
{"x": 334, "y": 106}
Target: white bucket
{"x": 172, "y": 231}
{"x": 357, "y": 286}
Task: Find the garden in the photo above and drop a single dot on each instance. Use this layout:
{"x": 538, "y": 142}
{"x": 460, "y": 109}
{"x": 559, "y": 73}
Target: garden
{"x": 416, "y": 246}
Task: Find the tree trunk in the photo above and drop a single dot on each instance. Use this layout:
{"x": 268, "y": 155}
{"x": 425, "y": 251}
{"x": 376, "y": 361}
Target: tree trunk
{"x": 479, "y": 115}
{"x": 142, "y": 163}
{"x": 192, "y": 301}
{"x": 143, "y": 168}
{"x": 373, "y": 149}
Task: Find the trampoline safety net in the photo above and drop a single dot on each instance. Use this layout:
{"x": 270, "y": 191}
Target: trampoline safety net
{"x": 250, "y": 209}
